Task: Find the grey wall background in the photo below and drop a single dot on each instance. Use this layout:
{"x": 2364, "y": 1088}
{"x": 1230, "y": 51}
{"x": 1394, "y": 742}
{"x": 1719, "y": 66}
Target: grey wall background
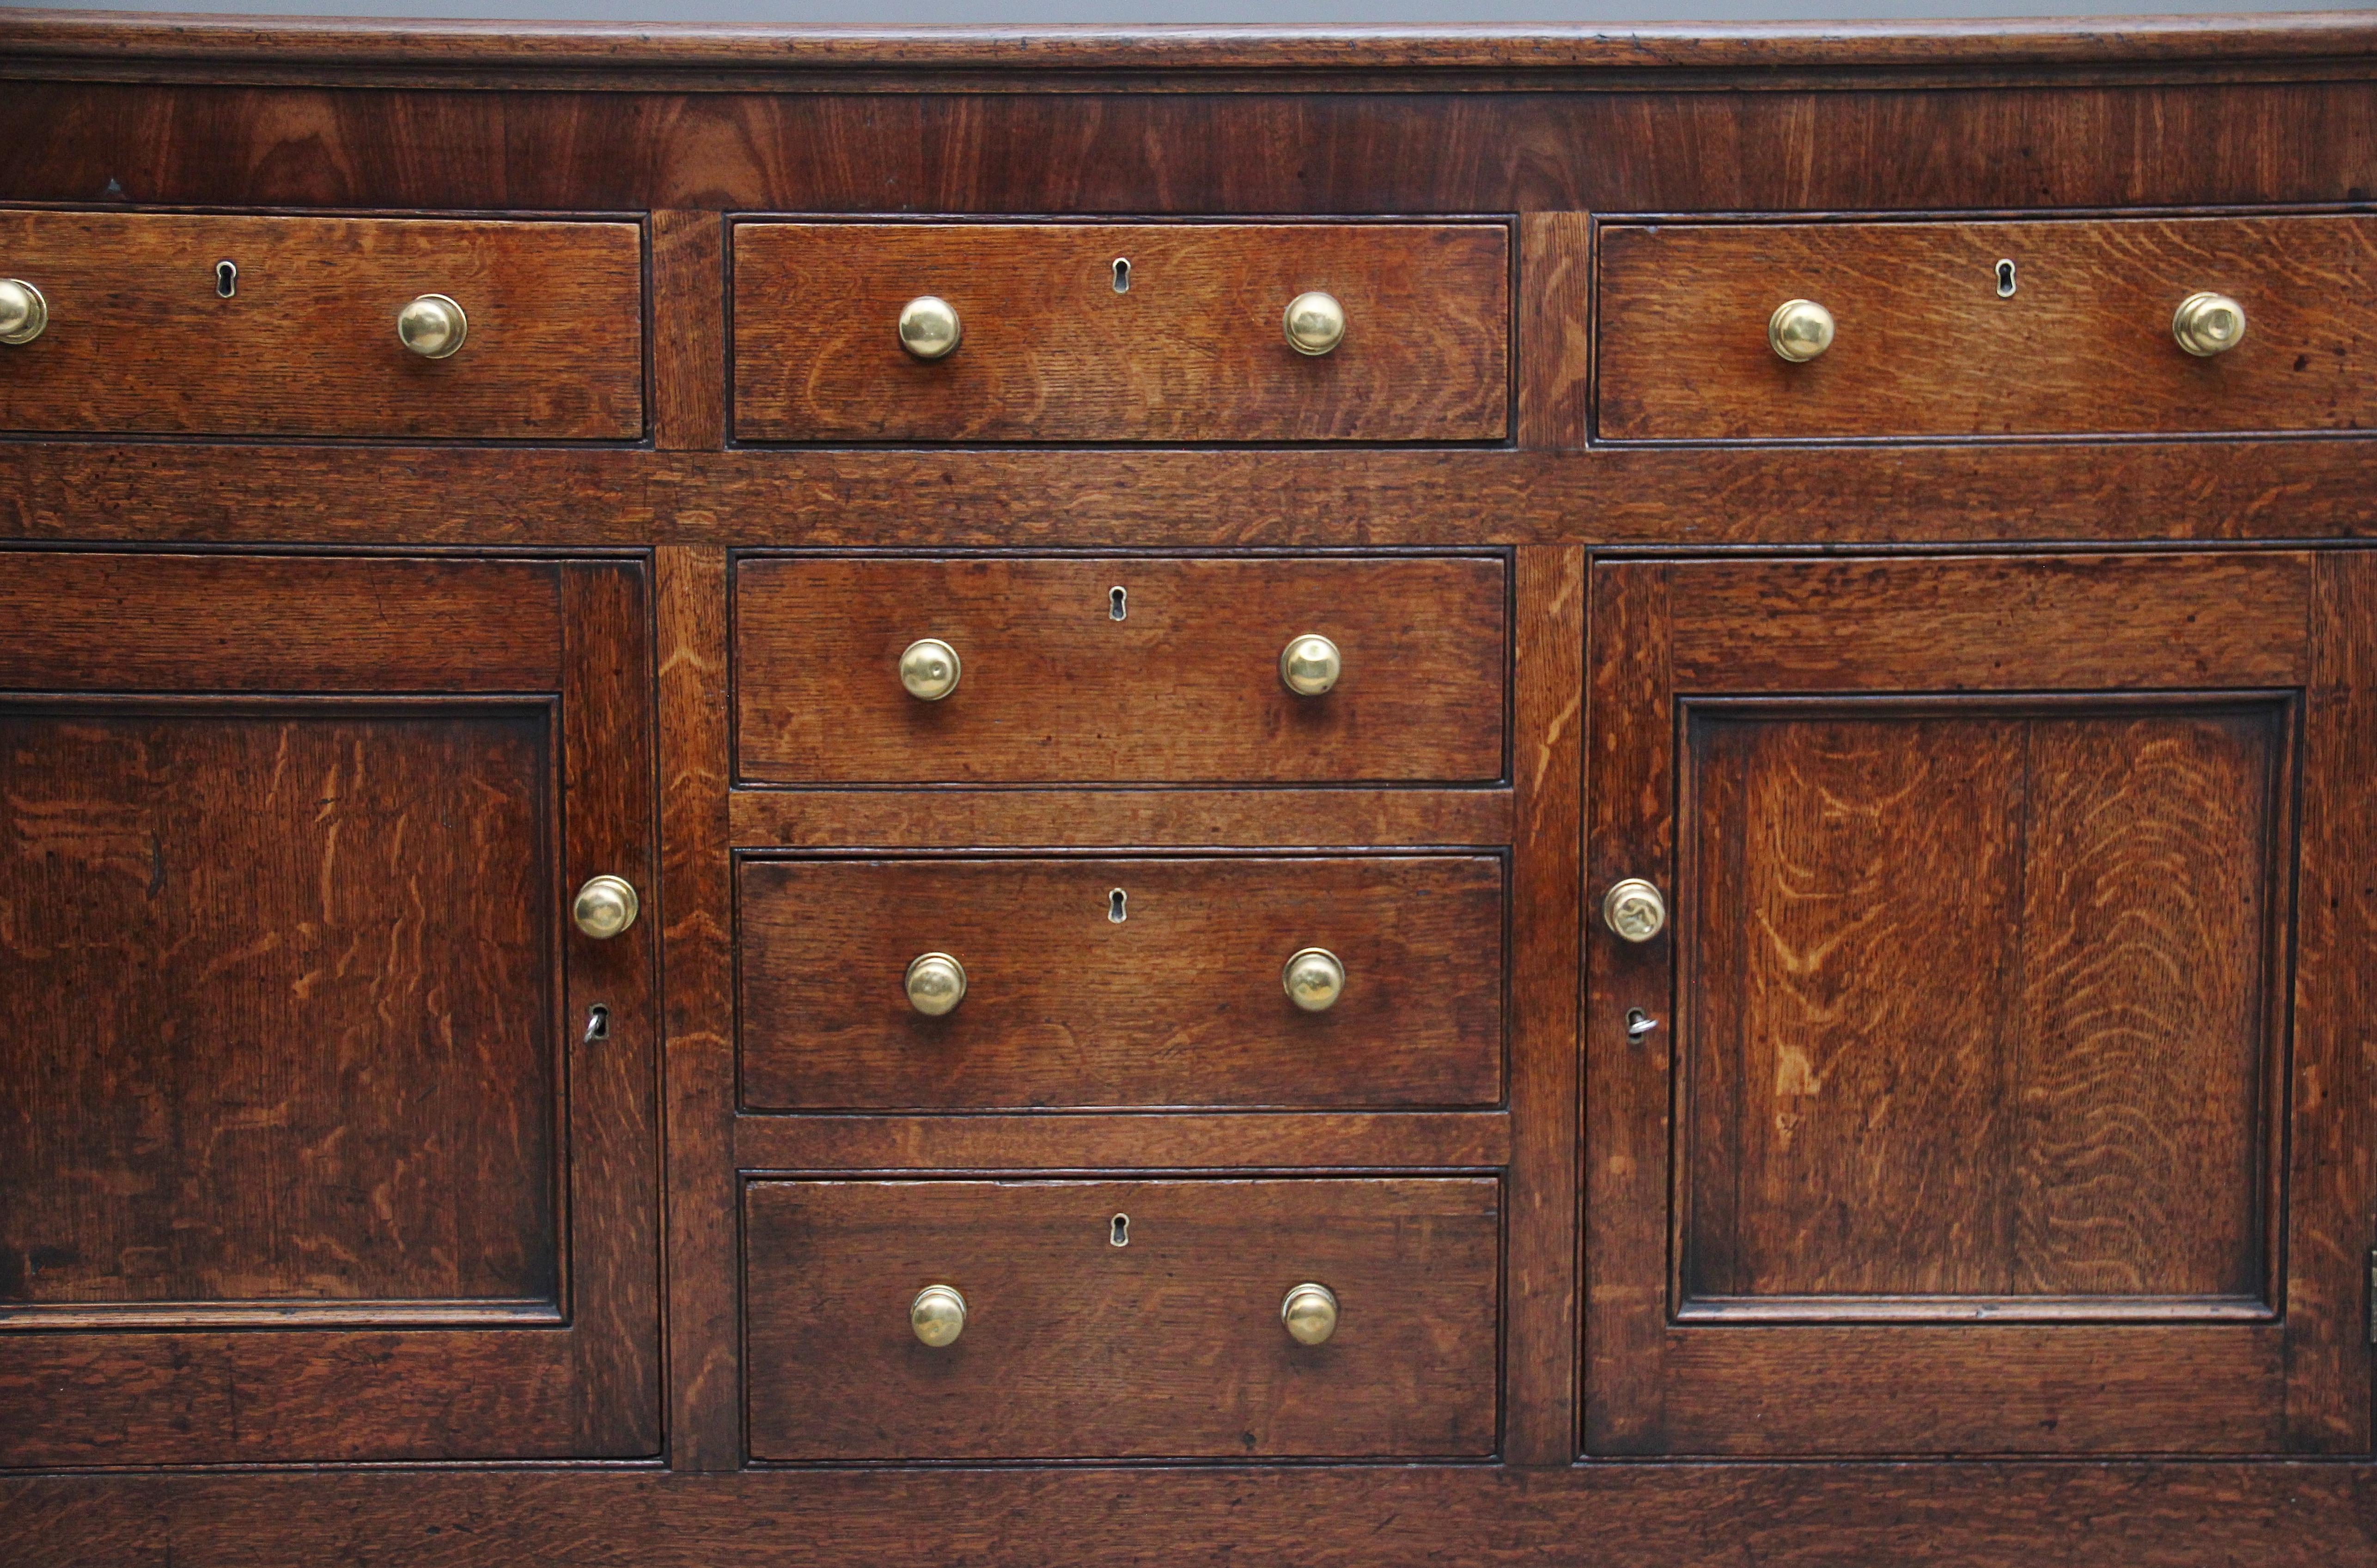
{"x": 1279, "y": 13}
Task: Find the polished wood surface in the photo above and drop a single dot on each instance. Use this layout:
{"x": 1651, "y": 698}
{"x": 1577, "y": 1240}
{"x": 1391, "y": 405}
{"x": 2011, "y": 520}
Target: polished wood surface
{"x": 1169, "y": 1344}
{"x": 1121, "y": 982}
{"x": 1121, "y": 332}
{"x": 1928, "y": 346}
{"x": 1185, "y": 689}
{"x": 141, "y": 339}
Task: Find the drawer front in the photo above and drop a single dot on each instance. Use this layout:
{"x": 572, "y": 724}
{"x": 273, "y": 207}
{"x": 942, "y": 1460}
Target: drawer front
{"x": 1050, "y": 350}
{"x": 1926, "y": 345}
{"x": 140, "y": 337}
{"x": 1137, "y": 982}
{"x": 1168, "y": 1345}
{"x": 1185, "y": 688}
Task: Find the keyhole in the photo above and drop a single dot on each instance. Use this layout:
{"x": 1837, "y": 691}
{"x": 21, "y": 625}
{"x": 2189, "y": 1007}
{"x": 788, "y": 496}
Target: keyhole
{"x": 1119, "y": 1234}
{"x": 1122, "y": 286}
{"x": 1118, "y": 906}
{"x": 1117, "y": 604}
{"x": 2005, "y": 280}
{"x": 226, "y": 278}
{"x": 598, "y": 1024}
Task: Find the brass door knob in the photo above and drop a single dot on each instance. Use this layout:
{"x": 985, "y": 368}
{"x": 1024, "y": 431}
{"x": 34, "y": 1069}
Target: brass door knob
{"x": 929, "y": 667}
{"x": 936, "y": 983}
{"x": 1315, "y": 323}
{"x": 1799, "y": 330}
{"x": 23, "y": 312}
{"x": 938, "y": 1314}
{"x": 2208, "y": 323}
{"x": 606, "y": 906}
{"x": 433, "y": 327}
{"x": 1310, "y": 664}
{"x": 1314, "y": 979}
{"x": 929, "y": 327}
{"x": 1633, "y": 910}
{"x": 1310, "y": 1313}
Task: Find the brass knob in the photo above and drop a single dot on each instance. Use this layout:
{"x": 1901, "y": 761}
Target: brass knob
{"x": 1633, "y": 910}
{"x": 929, "y": 327}
{"x": 606, "y": 906}
{"x": 1314, "y": 979}
{"x": 433, "y": 327}
{"x": 23, "y": 312}
{"x": 936, "y": 983}
{"x": 1310, "y": 1313}
{"x": 1799, "y": 330}
{"x": 929, "y": 667}
{"x": 2207, "y": 323}
{"x": 938, "y": 1314}
{"x": 1315, "y": 323}
{"x": 1310, "y": 664}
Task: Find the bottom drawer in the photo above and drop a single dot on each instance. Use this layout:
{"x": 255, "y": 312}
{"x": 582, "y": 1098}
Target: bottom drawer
{"x": 1122, "y": 1319}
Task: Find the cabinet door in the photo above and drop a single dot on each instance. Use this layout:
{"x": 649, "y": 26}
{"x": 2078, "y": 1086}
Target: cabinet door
{"x": 307, "y": 1149}
{"x": 1998, "y": 1082}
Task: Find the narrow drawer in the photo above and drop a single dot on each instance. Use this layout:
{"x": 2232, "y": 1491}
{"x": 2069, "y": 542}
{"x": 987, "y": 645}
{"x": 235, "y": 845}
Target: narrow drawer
{"x": 1121, "y": 332}
{"x": 1122, "y": 982}
{"x": 146, "y": 333}
{"x": 2040, "y": 327}
{"x": 1118, "y": 670}
{"x": 1122, "y": 1319}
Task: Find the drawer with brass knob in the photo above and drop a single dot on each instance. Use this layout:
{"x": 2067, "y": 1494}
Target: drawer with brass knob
{"x": 1123, "y": 332}
{"x": 1215, "y": 981}
{"x": 1141, "y": 670}
{"x": 1288, "y": 1317}
{"x": 408, "y": 328}
{"x": 1731, "y": 331}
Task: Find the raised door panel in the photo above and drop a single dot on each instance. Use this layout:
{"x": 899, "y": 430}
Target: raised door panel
{"x": 1982, "y": 1042}
{"x": 308, "y": 1154}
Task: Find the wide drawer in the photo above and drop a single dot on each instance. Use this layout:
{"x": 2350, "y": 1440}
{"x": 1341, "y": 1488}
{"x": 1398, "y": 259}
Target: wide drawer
{"x": 1122, "y": 1319}
{"x": 1139, "y": 670}
{"x": 2041, "y": 327}
{"x": 1122, "y": 982}
{"x": 148, "y": 332}
{"x": 1121, "y": 332}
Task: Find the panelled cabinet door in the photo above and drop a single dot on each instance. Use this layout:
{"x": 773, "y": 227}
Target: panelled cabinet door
{"x": 307, "y": 1150}
{"x": 1997, "y": 1083}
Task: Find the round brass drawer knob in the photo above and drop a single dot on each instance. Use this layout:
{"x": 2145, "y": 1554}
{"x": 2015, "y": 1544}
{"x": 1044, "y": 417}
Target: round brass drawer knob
{"x": 1315, "y": 323}
{"x": 1310, "y": 664}
{"x": 936, "y": 983}
{"x": 433, "y": 327}
{"x": 929, "y": 327}
{"x": 604, "y": 907}
{"x": 2207, "y": 323}
{"x": 1799, "y": 330}
{"x": 929, "y": 667}
{"x": 24, "y": 315}
{"x": 1314, "y": 979}
{"x": 1633, "y": 910}
{"x": 938, "y": 1314}
{"x": 1310, "y": 1313}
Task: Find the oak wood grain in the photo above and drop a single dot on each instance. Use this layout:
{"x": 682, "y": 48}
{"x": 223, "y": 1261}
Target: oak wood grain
{"x": 1473, "y": 1140}
{"x": 1185, "y": 689}
{"x": 688, "y": 311}
{"x": 1555, "y": 303}
{"x": 1177, "y": 1002}
{"x": 1053, "y": 350}
{"x": 141, "y": 339}
{"x": 1041, "y": 819}
{"x": 1169, "y": 1344}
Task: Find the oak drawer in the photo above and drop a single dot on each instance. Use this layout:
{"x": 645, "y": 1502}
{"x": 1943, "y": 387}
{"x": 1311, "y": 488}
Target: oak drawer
{"x": 1133, "y": 982}
{"x": 1050, "y": 347}
{"x": 1122, "y": 1319}
{"x": 1185, "y": 687}
{"x": 142, "y": 338}
{"x": 1926, "y": 344}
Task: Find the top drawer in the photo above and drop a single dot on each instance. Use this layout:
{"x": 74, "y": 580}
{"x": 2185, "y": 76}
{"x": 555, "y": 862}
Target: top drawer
{"x": 2043, "y": 327}
{"x": 1121, "y": 332}
{"x": 146, "y": 333}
